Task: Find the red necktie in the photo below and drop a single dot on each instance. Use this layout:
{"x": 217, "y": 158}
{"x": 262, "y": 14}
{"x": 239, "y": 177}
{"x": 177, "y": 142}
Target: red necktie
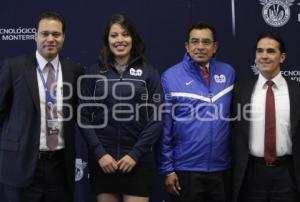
{"x": 270, "y": 125}
{"x": 205, "y": 74}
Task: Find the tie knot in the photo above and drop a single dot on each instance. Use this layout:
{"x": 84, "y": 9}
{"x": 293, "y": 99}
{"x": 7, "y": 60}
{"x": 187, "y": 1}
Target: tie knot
{"x": 49, "y": 66}
{"x": 270, "y": 83}
{"x": 205, "y": 69}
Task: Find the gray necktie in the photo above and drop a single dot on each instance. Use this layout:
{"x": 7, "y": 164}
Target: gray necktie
{"x": 51, "y": 110}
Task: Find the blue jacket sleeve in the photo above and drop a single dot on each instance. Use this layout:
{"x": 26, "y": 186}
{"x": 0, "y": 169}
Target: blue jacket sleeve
{"x": 166, "y": 148}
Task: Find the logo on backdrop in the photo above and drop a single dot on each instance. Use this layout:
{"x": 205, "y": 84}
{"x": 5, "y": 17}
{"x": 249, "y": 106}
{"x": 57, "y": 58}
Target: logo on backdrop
{"x": 80, "y": 165}
{"x": 254, "y": 69}
{"x": 276, "y": 13}
{"x": 17, "y": 34}
{"x": 298, "y": 13}
{"x": 292, "y": 74}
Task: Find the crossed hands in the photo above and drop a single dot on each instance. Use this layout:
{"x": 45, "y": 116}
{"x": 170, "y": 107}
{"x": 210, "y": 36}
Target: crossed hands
{"x": 110, "y": 165}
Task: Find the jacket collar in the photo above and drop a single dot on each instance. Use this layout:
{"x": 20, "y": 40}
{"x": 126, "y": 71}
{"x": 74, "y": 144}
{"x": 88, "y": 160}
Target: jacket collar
{"x": 134, "y": 62}
{"x": 194, "y": 68}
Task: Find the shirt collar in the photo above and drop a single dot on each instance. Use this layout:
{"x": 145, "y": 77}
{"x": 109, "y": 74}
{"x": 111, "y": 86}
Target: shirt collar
{"x": 188, "y": 59}
{"x": 278, "y": 80}
{"x": 42, "y": 61}
{"x": 207, "y": 66}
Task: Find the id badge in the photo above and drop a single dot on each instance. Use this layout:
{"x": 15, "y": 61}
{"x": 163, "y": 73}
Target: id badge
{"x": 52, "y": 127}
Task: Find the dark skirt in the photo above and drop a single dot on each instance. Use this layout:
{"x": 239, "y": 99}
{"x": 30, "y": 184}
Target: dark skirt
{"x": 136, "y": 183}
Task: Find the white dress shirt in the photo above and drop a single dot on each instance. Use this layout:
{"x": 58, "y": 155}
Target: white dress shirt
{"x": 282, "y": 110}
{"x": 41, "y": 62}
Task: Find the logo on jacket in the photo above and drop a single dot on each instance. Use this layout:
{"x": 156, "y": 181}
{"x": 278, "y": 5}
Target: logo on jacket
{"x": 220, "y": 78}
{"x": 80, "y": 165}
{"x": 189, "y": 83}
{"x": 134, "y": 72}
{"x": 276, "y": 13}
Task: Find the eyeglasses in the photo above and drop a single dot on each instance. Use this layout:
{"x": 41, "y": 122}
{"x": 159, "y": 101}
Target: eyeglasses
{"x": 204, "y": 42}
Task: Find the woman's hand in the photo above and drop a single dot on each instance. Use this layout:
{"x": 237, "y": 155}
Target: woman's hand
{"x": 108, "y": 164}
{"x": 126, "y": 164}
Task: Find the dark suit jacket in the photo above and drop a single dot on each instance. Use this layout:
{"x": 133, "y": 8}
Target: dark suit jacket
{"x": 242, "y": 96}
{"x": 20, "y": 119}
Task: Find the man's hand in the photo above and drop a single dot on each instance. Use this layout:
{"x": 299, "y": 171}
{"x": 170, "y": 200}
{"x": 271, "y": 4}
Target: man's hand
{"x": 126, "y": 164}
{"x": 172, "y": 183}
{"x": 108, "y": 164}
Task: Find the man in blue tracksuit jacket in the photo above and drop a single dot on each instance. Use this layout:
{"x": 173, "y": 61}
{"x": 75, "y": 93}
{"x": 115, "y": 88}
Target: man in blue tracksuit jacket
{"x": 195, "y": 149}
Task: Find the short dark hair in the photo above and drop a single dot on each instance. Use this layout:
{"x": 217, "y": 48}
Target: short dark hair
{"x": 52, "y": 16}
{"x": 138, "y": 46}
{"x": 273, "y": 36}
{"x": 201, "y": 25}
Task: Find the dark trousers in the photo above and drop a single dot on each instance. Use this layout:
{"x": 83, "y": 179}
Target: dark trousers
{"x": 49, "y": 183}
{"x": 265, "y": 183}
{"x": 203, "y": 187}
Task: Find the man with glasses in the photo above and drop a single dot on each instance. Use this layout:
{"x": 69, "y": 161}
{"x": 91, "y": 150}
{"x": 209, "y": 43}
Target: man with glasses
{"x": 37, "y": 101}
{"x": 194, "y": 151}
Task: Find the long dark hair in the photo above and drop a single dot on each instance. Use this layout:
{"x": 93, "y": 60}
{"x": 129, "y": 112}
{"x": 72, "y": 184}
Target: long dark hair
{"x": 138, "y": 46}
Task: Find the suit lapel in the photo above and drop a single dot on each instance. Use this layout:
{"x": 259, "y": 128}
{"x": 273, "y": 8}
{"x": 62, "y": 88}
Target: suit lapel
{"x": 293, "y": 104}
{"x": 246, "y": 95}
{"x": 67, "y": 77}
{"x": 247, "y": 91}
{"x": 31, "y": 79}
{"x": 68, "y": 85}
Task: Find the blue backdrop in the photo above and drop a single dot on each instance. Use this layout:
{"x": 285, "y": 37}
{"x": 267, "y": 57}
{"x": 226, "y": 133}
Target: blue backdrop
{"x": 162, "y": 24}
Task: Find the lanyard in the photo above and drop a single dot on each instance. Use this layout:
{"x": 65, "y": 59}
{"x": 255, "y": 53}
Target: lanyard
{"x": 49, "y": 97}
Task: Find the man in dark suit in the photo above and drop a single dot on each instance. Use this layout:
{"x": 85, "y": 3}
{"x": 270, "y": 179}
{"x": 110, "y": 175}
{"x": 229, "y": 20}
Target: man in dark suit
{"x": 37, "y": 118}
{"x": 266, "y": 131}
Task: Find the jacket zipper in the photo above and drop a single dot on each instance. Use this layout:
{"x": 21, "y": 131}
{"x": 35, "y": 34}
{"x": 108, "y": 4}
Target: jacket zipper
{"x": 119, "y": 130}
{"x": 211, "y": 134}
